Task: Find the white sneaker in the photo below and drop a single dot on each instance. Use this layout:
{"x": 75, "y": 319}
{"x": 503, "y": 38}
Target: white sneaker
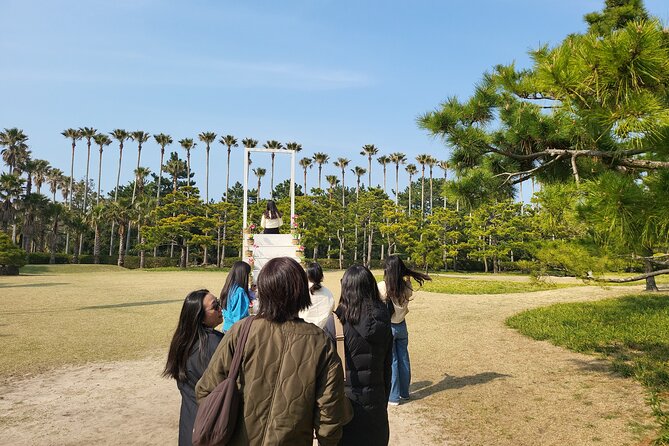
{"x": 393, "y": 403}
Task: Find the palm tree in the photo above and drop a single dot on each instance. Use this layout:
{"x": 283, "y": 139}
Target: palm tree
{"x": 411, "y": 170}
{"x": 295, "y": 147}
{"x": 74, "y": 135}
{"x": 444, "y": 166}
{"x": 320, "y": 158}
{"x": 140, "y": 137}
{"x": 276, "y": 145}
{"x": 94, "y": 217}
{"x": 431, "y": 162}
{"x": 55, "y": 179}
{"x": 332, "y": 181}
{"x": 163, "y": 141}
{"x": 422, "y": 160}
{"x": 15, "y": 147}
{"x": 187, "y": 144}
{"x": 384, "y": 160}
{"x": 342, "y": 163}
{"x": 101, "y": 140}
{"x": 249, "y": 143}
{"x": 369, "y": 150}
{"x": 358, "y": 171}
{"x": 306, "y": 163}
{"x": 207, "y": 138}
{"x": 259, "y": 172}
{"x": 120, "y": 215}
{"x": 119, "y": 135}
{"x": 40, "y": 171}
{"x": 230, "y": 141}
{"x": 11, "y": 188}
{"x": 173, "y": 168}
{"x": 88, "y": 133}
{"x": 397, "y": 158}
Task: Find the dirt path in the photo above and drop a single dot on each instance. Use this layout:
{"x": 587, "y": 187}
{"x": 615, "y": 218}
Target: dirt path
{"x": 475, "y": 382}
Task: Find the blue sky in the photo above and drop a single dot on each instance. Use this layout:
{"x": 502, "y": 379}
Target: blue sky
{"x": 331, "y": 75}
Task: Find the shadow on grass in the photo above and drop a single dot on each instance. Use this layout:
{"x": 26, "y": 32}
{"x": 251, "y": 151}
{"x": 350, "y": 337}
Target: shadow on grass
{"x": 422, "y": 389}
{"x": 130, "y": 304}
{"x": 35, "y": 285}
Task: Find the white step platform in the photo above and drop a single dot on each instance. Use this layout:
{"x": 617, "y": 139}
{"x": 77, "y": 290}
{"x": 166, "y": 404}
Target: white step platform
{"x": 269, "y": 246}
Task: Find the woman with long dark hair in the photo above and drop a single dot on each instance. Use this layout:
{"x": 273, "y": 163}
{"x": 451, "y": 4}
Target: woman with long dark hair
{"x": 290, "y": 378}
{"x": 396, "y": 286}
{"x": 322, "y": 300}
{"x": 271, "y": 219}
{"x": 235, "y": 294}
{"x": 368, "y": 346}
{"x": 192, "y": 346}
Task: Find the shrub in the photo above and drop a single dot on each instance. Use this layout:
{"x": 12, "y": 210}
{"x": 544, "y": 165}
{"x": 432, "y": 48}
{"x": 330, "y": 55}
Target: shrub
{"x": 43, "y": 258}
{"x": 11, "y": 256}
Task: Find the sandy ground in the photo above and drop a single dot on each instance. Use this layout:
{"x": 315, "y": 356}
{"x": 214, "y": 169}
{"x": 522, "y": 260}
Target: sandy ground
{"x": 475, "y": 382}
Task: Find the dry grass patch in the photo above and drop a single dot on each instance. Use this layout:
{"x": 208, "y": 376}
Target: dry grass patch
{"x": 74, "y": 314}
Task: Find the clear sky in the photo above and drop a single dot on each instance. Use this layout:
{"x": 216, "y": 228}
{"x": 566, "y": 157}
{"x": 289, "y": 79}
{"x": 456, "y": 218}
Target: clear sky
{"x": 331, "y": 75}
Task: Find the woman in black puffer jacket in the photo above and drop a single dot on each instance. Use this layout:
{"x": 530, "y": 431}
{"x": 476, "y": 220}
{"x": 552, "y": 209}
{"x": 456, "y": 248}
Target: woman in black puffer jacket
{"x": 368, "y": 341}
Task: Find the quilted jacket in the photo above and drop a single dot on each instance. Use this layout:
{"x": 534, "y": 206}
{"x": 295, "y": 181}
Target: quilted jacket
{"x": 292, "y": 384}
{"x": 369, "y": 355}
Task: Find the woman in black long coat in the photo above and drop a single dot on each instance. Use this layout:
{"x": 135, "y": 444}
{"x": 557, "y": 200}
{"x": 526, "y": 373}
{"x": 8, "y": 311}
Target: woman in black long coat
{"x": 368, "y": 345}
{"x": 193, "y": 344}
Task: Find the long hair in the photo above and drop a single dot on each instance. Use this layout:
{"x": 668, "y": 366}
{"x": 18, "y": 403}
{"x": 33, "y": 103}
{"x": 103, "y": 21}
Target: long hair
{"x": 271, "y": 211}
{"x": 315, "y": 275}
{"x": 190, "y": 331}
{"x": 394, "y": 274}
{"x": 237, "y": 277}
{"x": 283, "y": 290}
{"x": 358, "y": 290}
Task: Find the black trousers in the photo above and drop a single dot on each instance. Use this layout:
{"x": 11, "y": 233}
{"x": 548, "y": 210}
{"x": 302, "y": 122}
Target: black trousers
{"x": 271, "y": 231}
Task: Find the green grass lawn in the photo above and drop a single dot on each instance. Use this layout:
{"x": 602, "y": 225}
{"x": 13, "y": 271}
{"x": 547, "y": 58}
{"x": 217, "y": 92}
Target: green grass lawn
{"x": 631, "y": 331}
{"x": 53, "y": 315}
{"x": 478, "y": 285}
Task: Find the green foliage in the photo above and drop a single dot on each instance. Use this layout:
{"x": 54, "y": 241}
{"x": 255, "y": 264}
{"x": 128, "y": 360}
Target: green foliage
{"x": 11, "y": 256}
{"x": 568, "y": 257}
{"x": 632, "y": 331}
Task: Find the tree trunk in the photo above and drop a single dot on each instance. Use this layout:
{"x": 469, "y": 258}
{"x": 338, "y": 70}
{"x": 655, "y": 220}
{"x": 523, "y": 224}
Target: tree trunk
{"x": 75, "y": 255}
{"x": 182, "y": 258}
{"x": 54, "y": 240}
{"x": 142, "y": 255}
{"x": 96, "y": 245}
{"x": 121, "y": 248}
{"x": 650, "y": 280}
{"x": 369, "y": 247}
{"x": 485, "y": 264}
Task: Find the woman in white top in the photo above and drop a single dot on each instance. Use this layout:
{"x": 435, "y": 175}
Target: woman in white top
{"x": 322, "y": 300}
{"x": 396, "y": 286}
{"x": 271, "y": 219}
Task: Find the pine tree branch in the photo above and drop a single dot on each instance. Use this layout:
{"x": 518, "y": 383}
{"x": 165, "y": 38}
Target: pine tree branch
{"x": 628, "y": 279}
{"x": 527, "y": 174}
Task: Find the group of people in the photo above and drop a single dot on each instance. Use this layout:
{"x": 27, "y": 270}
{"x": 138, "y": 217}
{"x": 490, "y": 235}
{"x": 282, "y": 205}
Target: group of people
{"x": 291, "y": 378}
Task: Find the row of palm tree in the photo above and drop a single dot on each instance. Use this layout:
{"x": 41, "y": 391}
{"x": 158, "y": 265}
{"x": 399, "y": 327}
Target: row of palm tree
{"x": 17, "y": 157}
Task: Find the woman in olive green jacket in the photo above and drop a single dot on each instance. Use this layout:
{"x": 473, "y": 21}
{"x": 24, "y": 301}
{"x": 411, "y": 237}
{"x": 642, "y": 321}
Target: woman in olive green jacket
{"x": 291, "y": 378}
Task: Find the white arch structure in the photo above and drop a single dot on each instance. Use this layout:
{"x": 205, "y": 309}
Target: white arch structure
{"x": 247, "y": 151}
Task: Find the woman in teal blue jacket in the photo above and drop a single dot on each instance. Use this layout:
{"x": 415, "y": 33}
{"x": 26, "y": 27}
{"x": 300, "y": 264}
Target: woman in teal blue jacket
{"x": 235, "y": 295}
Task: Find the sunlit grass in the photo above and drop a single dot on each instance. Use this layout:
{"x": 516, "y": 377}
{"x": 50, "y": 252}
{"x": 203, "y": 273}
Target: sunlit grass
{"x": 478, "y": 285}
{"x": 631, "y": 331}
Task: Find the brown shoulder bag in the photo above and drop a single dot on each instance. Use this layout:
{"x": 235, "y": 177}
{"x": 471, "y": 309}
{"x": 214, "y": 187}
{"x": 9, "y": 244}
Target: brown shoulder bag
{"x": 216, "y": 417}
